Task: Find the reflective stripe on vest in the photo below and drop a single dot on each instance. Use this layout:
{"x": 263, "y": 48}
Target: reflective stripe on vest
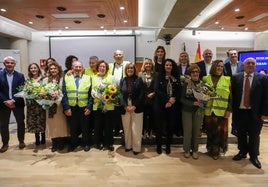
{"x": 77, "y": 96}
{"x": 218, "y": 105}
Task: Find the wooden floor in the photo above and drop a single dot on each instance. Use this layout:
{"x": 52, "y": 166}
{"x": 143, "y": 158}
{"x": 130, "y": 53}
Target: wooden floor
{"x": 40, "y": 167}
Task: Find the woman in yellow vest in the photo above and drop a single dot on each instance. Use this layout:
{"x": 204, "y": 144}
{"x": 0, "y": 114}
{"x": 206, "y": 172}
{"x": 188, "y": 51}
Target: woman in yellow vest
{"x": 217, "y": 110}
{"x": 103, "y": 107}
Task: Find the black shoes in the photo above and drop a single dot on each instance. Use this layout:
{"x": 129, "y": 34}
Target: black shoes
{"x": 86, "y": 148}
{"x": 4, "y": 148}
{"x": 135, "y": 153}
{"x": 127, "y": 150}
{"x": 159, "y": 149}
{"x": 255, "y": 162}
{"x": 239, "y": 156}
{"x": 168, "y": 150}
{"x": 22, "y": 145}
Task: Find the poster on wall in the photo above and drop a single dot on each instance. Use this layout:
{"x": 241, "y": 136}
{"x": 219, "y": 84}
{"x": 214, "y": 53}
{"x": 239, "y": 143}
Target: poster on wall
{"x": 9, "y": 52}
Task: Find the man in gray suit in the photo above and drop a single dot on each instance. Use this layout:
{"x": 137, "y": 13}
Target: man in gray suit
{"x": 250, "y": 109}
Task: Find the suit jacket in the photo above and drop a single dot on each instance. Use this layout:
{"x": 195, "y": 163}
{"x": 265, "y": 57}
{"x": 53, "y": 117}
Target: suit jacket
{"x": 202, "y": 67}
{"x": 228, "y": 69}
{"x": 180, "y": 70}
{"x": 18, "y": 80}
{"x": 258, "y": 95}
{"x": 136, "y": 95}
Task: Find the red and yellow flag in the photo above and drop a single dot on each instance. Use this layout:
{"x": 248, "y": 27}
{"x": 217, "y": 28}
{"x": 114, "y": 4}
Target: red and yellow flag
{"x": 198, "y": 53}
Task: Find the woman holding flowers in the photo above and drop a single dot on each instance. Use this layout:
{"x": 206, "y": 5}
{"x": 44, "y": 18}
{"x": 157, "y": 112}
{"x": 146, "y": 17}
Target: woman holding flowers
{"x": 35, "y": 115}
{"x": 105, "y": 96}
{"x": 217, "y": 110}
{"x": 55, "y": 119}
{"x": 192, "y": 116}
{"x": 131, "y": 88}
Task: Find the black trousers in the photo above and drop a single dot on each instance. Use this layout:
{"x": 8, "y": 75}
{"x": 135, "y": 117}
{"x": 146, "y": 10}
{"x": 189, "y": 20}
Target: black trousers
{"x": 248, "y": 133}
{"x": 103, "y": 127}
{"x": 4, "y": 123}
{"x": 79, "y": 121}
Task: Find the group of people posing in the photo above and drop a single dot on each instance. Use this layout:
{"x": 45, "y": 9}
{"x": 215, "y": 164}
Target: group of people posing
{"x": 159, "y": 99}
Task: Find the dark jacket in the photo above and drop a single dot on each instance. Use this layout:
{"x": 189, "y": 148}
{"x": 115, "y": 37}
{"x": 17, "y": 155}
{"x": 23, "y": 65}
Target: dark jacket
{"x": 18, "y": 80}
{"x": 136, "y": 95}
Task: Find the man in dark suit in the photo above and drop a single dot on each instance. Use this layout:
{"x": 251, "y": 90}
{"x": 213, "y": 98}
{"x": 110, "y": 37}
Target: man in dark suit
{"x": 232, "y": 67}
{"x": 205, "y": 64}
{"x": 10, "y": 80}
{"x": 249, "y": 110}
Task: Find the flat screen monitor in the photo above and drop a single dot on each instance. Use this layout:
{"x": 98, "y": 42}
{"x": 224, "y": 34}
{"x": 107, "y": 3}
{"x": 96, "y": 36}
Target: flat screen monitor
{"x": 260, "y": 56}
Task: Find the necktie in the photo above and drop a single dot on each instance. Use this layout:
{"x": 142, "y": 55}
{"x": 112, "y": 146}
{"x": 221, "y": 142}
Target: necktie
{"x": 247, "y": 92}
{"x": 77, "y": 78}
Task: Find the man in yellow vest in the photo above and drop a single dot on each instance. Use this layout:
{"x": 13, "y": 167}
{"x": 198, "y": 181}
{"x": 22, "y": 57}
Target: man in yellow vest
{"x": 77, "y": 105}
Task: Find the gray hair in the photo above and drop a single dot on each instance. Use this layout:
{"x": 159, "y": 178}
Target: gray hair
{"x": 9, "y": 58}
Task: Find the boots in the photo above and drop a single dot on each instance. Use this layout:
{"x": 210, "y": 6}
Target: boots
{"x": 43, "y": 138}
{"x": 37, "y": 138}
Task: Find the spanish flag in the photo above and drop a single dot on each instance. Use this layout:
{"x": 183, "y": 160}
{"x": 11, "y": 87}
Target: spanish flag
{"x": 198, "y": 53}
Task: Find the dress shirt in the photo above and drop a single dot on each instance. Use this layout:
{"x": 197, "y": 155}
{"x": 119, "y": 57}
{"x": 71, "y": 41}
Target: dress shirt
{"x": 9, "y": 81}
{"x": 250, "y": 81}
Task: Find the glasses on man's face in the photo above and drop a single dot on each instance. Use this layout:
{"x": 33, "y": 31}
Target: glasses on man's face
{"x": 194, "y": 71}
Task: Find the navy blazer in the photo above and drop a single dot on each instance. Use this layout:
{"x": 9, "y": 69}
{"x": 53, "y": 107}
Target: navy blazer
{"x": 136, "y": 95}
{"x": 258, "y": 95}
{"x": 228, "y": 69}
{"x": 18, "y": 80}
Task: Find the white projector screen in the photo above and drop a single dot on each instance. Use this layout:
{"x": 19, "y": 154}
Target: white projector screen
{"x": 102, "y": 46}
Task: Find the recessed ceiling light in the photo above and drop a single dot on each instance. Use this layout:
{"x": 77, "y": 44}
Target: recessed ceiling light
{"x": 122, "y": 8}
{"x": 239, "y": 17}
{"x": 3, "y": 10}
{"x": 61, "y": 8}
{"x": 217, "y": 22}
{"x": 125, "y": 21}
{"x": 222, "y": 28}
{"x": 246, "y": 29}
{"x": 66, "y": 27}
{"x": 101, "y": 15}
{"x": 102, "y": 27}
{"x": 237, "y": 10}
{"x": 40, "y": 16}
{"x": 30, "y": 22}
{"x": 77, "y": 21}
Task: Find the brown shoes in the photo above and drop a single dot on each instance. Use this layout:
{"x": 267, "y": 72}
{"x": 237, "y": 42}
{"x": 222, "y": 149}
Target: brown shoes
{"x": 22, "y": 145}
{"x": 4, "y": 148}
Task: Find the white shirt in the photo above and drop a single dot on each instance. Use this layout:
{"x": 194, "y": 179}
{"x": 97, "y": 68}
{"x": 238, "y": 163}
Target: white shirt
{"x": 250, "y": 81}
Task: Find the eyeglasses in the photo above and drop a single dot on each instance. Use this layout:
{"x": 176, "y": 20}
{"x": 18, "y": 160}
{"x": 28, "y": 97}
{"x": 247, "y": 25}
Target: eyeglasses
{"x": 194, "y": 71}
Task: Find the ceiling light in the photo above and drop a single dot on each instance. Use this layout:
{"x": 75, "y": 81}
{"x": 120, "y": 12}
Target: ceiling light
{"x": 77, "y": 21}
{"x": 60, "y": 8}
{"x": 102, "y": 27}
{"x": 40, "y": 16}
{"x": 222, "y": 28}
{"x": 101, "y": 15}
{"x": 246, "y": 29}
{"x": 30, "y": 22}
{"x": 70, "y": 16}
{"x": 257, "y": 18}
{"x": 66, "y": 27}
{"x": 125, "y": 21}
{"x": 217, "y": 22}
{"x": 3, "y": 10}
{"x": 237, "y": 10}
{"x": 122, "y": 8}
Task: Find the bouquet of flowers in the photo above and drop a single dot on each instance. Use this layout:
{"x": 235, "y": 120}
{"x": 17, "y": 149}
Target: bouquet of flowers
{"x": 44, "y": 94}
{"x": 107, "y": 94}
{"x": 50, "y": 93}
{"x": 204, "y": 92}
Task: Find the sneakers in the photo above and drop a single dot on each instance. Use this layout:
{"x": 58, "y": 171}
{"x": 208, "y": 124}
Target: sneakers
{"x": 195, "y": 155}
{"x": 187, "y": 154}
